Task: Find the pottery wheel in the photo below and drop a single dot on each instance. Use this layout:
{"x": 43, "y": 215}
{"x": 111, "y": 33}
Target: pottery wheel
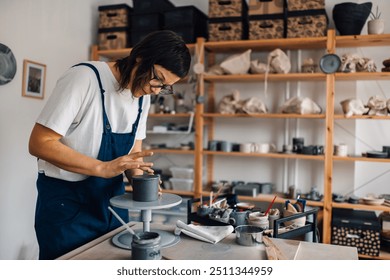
{"x": 125, "y": 201}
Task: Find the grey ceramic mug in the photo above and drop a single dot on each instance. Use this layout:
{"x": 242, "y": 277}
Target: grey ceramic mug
{"x": 145, "y": 187}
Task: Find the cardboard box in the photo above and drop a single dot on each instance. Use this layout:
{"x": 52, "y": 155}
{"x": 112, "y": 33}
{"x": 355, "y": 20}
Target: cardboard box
{"x": 114, "y": 38}
{"x": 312, "y": 23}
{"x": 228, "y": 29}
{"x": 258, "y": 7}
{"x": 301, "y": 5}
{"x": 114, "y": 16}
{"x": 230, "y": 8}
{"x": 267, "y": 27}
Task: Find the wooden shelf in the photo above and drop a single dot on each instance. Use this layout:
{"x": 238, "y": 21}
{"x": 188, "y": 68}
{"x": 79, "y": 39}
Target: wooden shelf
{"x": 264, "y": 116}
{"x": 267, "y": 45}
{"x": 115, "y": 54}
{"x": 367, "y": 159}
{"x": 270, "y": 197}
{"x": 308, "y": 77}
{"x": 363, "y": 117}
{"x": 267, "y": 155}
{"x": 172, "y": 151}
{"x": 178, "y": 115}
{"x": 178, "y": 192}
{"x": 362, "y": 76}
{"x": 382, "y": 40}
{"x": 360, "y": 206}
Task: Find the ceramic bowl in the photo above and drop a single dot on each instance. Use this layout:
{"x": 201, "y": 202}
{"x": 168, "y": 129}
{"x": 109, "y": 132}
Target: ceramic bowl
{"x": 373, "y": 200}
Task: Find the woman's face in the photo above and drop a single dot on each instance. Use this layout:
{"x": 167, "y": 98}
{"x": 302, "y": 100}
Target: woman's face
{"x": 161, "y": 81}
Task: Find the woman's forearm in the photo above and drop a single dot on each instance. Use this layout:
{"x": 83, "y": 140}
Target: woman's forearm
{"x": 44, "y": 144}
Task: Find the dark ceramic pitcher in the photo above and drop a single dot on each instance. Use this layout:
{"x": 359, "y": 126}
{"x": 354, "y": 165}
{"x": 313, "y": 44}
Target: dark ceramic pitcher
{"x": 349, "y": 18}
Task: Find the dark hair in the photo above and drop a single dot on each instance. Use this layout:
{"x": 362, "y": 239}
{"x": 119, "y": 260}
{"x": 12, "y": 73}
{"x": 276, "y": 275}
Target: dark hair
{"x": 164, "y": 48}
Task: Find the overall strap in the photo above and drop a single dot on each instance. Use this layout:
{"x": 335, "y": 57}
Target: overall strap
{"x": 135, "y": 124}
{"x": 106, "y": 123}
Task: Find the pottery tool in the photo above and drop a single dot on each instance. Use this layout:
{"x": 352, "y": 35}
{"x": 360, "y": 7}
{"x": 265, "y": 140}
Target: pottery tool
{"x": 220, "y": 188}
{"x": 269, "y": 207}
{"x": 273, "y": 252}
{"x": 123, "y": 223}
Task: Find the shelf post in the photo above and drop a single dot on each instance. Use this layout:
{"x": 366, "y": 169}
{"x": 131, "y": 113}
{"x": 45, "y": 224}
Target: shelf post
{"x": 328, "y": 165}
{"x": 199, "y": 122}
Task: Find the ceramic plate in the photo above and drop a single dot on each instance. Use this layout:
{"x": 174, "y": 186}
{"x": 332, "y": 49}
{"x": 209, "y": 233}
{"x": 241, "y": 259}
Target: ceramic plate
{"x": 373, "y": 201}
{"x": 7, "y": 65}
{"x": 330, "y": 63}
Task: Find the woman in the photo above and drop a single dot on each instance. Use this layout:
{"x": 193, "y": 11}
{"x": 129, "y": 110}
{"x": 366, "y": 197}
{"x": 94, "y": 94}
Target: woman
{"x": 90, "y": 132}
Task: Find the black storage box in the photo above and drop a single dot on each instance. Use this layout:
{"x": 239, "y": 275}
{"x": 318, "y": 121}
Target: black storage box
{"x": 227, "y": 8}
{"x": 189, "y": 33}
{"x": 138, "y": 35}
{"x": 150, "y": 6}
{"x": 187, "y": 21}
{"x": 114, "y": 38}
{"x": 228, "y": 29}
{"x": 356, "y": 228}
{"x": 114, "y": 16}
{"x": 147, "y": 21}
{"x": 185, "y": 15}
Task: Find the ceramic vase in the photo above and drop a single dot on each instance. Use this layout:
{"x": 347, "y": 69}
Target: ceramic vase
{"x": 376, "y": 26}
{"x": 349, "y": 18}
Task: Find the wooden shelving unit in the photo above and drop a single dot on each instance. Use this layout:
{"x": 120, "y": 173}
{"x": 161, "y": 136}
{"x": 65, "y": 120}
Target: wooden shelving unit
{"x": 329, "y": 45}
{"x": 204, "y": 121}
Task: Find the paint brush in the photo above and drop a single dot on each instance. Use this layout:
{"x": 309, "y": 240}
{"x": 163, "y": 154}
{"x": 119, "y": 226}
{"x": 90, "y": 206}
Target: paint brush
{"x": 269, "y": 207}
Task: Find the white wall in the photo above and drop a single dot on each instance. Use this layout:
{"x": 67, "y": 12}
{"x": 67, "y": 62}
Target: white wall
{"x": 58, "y": 34}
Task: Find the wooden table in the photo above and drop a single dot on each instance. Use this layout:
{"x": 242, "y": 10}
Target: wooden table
{"x": 189, "y": 248}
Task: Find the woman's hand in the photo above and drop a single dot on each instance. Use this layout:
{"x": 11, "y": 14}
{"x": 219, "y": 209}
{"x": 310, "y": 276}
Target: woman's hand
{"x": 109, "y": 169}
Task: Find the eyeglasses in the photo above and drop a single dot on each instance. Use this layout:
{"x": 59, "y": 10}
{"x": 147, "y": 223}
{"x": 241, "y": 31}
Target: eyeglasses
{"x": 156, "y": 82}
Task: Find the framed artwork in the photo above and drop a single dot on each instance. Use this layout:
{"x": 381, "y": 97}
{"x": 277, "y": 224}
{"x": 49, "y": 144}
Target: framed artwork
{"x": 34, "y": 75}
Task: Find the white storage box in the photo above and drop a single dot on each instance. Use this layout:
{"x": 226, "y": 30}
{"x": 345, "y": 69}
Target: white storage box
{"x": 182, "y": 184}
{"x": 182, "y": 172}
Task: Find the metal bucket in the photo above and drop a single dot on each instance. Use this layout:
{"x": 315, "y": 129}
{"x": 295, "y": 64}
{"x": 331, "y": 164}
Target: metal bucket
{"x": 248, "y": 235}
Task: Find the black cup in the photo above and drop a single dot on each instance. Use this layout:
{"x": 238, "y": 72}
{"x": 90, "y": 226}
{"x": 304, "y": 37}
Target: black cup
{"x": 386, "y": 149}
{"x": 298, "y": 143}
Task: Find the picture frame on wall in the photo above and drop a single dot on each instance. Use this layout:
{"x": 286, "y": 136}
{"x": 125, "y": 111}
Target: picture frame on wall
{"x": 34, "y": 75}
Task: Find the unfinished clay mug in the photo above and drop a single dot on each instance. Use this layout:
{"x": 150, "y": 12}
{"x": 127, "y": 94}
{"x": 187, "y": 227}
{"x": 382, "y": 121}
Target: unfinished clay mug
{"x": 145, "y": 187}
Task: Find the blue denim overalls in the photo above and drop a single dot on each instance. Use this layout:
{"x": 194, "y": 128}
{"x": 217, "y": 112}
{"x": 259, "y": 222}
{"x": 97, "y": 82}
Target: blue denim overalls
{"x": 70, "y": 214}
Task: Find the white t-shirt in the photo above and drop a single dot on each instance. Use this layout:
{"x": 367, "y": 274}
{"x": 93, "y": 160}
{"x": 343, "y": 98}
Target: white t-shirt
{"x": 75, "y": 111}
